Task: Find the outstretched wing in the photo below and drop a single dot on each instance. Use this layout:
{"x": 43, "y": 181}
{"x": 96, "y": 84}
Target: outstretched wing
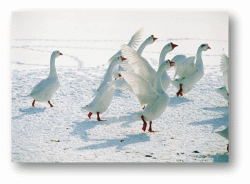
{"x": 141, "y": 87}
{"x": 139, "y": 64}
{"x": 224, "y": 66}
{"x": 186, "y": 68}
{"x": 136, "y": 38}
{"x": 134, "y": 41}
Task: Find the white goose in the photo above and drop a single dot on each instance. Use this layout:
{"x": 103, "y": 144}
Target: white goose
{"x": 224, "y": 65}
{"x": 44, "y": 90}
{"x": 105, "y": 93}
{"x": 188, "y": 73}
{"x": 155, "y": 97}
{"x": 134, "y": 41}
{"x": 108, "y": 75}
{"x": 141, "y": 66}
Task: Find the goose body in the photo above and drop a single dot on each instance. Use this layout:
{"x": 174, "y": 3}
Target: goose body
{"x": 154, "y": 96}
{"x": 45, "y": 89}
{"x": 105, "y": 92}
{"x": 189, "y": 71}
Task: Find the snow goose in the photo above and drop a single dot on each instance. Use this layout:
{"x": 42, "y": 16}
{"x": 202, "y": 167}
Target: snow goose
{"x": 188, "y": 73}
{"x": 141, "y": 66}
{"x": 224, "y": 66}
{"x": 105, "y": 94}
{"x": 155, "y": 97}
{"x": 44, "y": 90}
{"x": 134, "y": 41}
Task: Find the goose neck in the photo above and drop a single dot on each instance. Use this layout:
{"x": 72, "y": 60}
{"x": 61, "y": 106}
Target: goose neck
{"x": 158, "y": 84}
{"x": 163, "y": 54}
{"x": 52, "y": 67}
{"x": 108, "y": 75}
{"x": 142, "y": 47}
{"x": 199, "y": 62}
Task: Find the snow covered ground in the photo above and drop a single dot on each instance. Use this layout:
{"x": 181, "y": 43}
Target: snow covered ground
{"x": 65, "y": 134}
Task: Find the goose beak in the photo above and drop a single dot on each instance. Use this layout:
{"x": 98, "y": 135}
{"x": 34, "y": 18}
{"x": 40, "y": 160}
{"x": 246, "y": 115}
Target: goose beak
{"x": 208, "y": 47}
{"x": 173, "y": 45}
{"x": 154, "y": 38}
{"x": 60, "y": 53}
{"x": 123, "y": 58}
{"x": 172, "y": 63}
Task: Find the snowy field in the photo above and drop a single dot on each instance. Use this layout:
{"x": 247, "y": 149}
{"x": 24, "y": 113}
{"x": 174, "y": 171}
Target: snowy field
{"x": 65, "y": 134}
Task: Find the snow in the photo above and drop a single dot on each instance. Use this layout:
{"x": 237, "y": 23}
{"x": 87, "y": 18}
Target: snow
{"x": 65, "y": 134}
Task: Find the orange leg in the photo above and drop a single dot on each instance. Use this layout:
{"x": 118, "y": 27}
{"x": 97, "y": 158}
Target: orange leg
{"x": 89, "y": 115}
{"x": 33, "y": 103}
{"x": 150, "y": 127}
{"x": 98, "y": 117}
{"x": 144, "y": 123}
{"x": 180, "y": 92}
{"x": 50, "y": 104}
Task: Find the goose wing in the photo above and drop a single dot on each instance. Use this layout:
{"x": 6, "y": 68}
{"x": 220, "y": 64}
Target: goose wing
{"x": 134, "y": 41}
{"x": 139, "y": 64}
{"x": 186, "y": 68}
{"x": 141, "y": 87}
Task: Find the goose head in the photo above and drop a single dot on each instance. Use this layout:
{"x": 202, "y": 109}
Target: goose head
{"x": 169, "y": 47}
{"x": 204, "y": 47}
{"x": 167, "y": 64}
{"x": 118, "y": 60}
{"x": 56, "y": 53}
{"x": 151, "y": 39}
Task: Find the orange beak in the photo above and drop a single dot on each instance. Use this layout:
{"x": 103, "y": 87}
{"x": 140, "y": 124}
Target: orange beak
{"x": 172, "y": 63}
{"x": 154, "y": 38}
{"x": 208, "y": 47}
{"x": 173, "y": 45}
{"x": 123, "y": 58}
{"x": 60, "y": 53}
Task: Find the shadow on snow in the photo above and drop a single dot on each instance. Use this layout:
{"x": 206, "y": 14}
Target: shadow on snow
{"x": 81, "y": 128}
{"x": 178, "y": 100}
{"x": 119, "y": 143}
{"x": 29, "y": 111}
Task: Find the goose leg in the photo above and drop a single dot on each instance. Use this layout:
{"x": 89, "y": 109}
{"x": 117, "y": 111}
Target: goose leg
{"x": 33, "y": 103}
{"x": 98, "y": 117}
{"x": 180, "y": 91}
{"x": 90, "y": 114}
{"x": 144, "y": 123}
{"x": 50, "y": 104}
{"x": 150, "y": 127}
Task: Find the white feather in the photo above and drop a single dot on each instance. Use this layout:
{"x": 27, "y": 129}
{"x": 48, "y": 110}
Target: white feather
{"x": 134, "y": 41}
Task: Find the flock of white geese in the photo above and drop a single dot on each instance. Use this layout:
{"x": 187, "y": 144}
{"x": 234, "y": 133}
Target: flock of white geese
{"x": 137, "y": 76}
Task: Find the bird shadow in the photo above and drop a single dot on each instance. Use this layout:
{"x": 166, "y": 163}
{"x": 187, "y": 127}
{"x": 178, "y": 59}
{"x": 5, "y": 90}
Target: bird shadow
{"x": 81, "y": 128}
{"x": 216, "y": 109}
{"x": 29, "y": 111}
{"x": 216, "y": 123}
{"x": 119, "y": 143}
{"x": 178, "y": 100}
